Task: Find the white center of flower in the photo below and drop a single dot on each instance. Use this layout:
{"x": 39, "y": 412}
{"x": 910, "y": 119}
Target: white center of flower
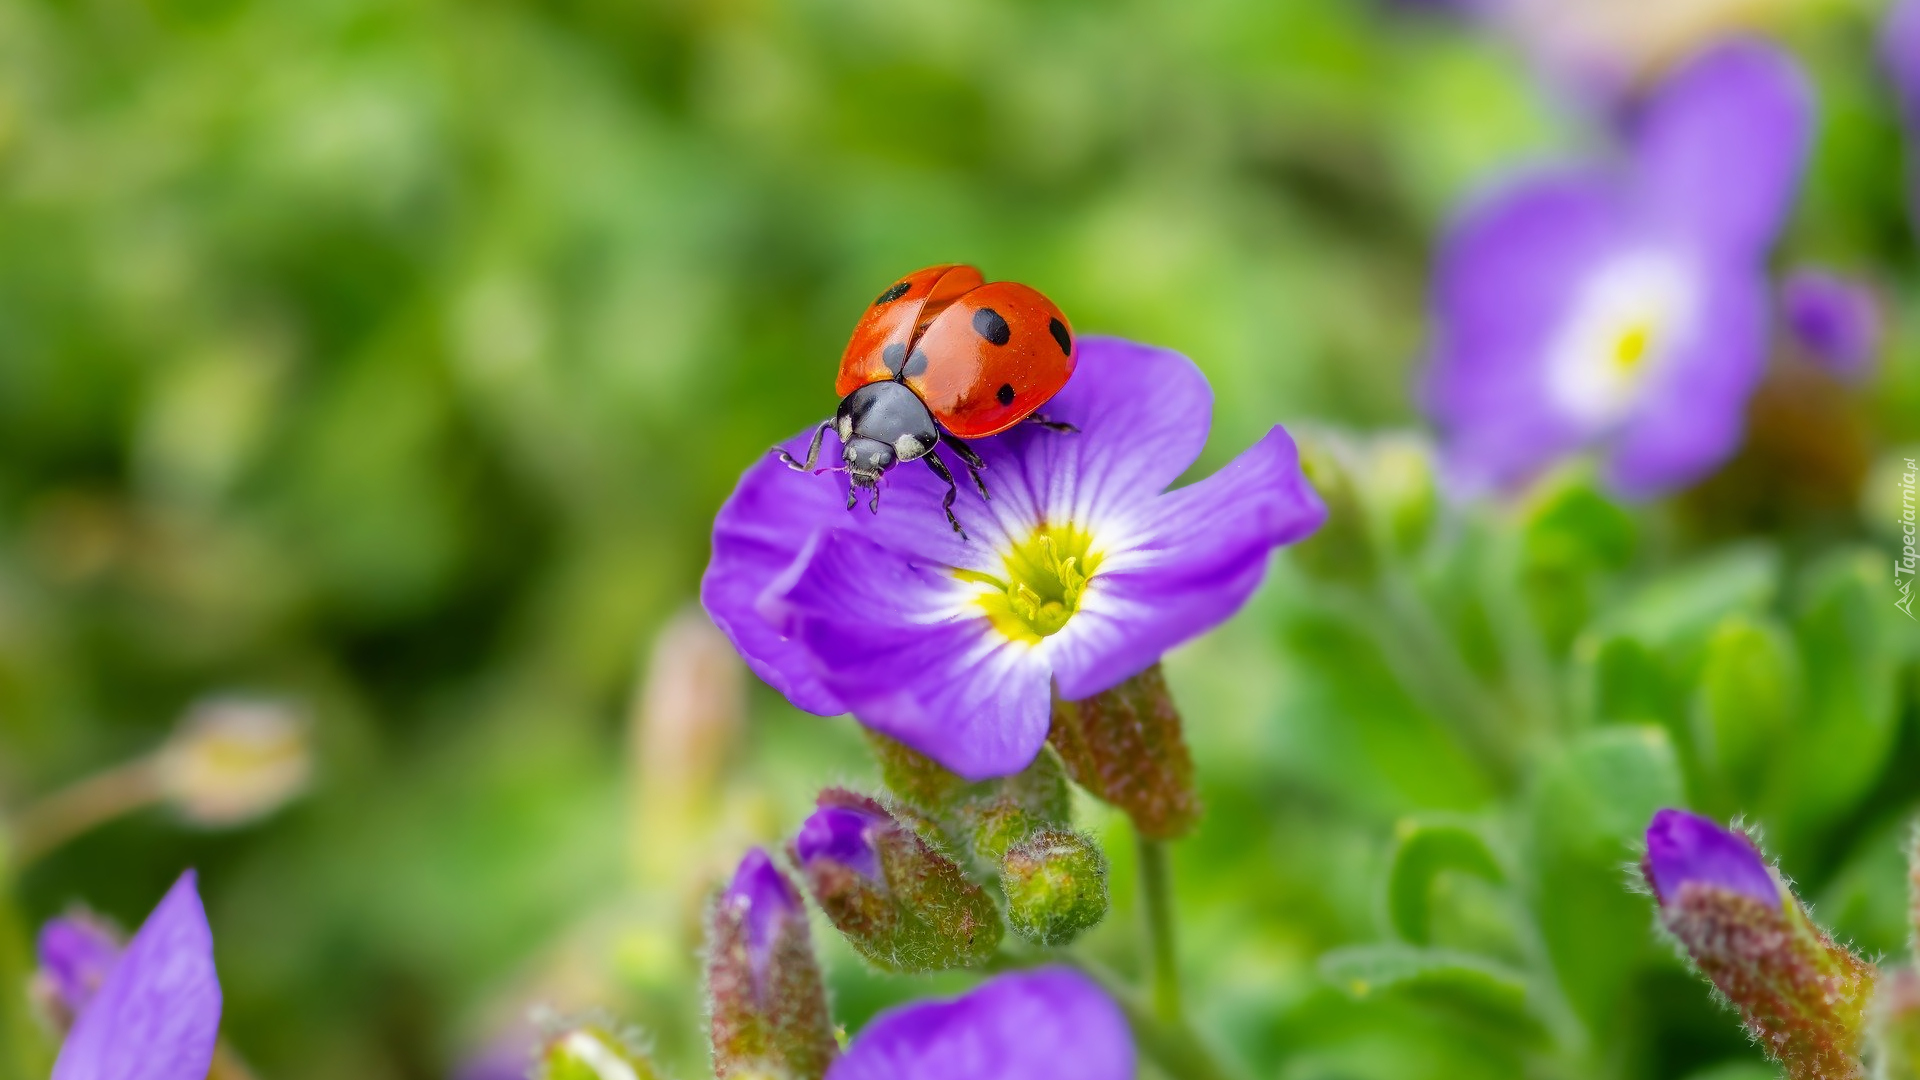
{"x": 1628, "y": 319}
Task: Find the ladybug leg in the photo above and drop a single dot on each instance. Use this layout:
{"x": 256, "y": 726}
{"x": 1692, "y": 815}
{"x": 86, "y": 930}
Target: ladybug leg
{"x": 971, "y": 458}
{"x": 813, "y": 451}
{"x": 1053, "y": 425}
{"x": 940, "y": 470}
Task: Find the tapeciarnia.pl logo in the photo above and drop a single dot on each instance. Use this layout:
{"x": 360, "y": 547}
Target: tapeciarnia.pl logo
{"x": 1909, "y": 559}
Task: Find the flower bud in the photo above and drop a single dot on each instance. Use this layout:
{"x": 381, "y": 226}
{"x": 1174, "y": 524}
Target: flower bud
{"x": 1125, "y": 746}
{"x": 769, "y": 1007}
{"x": 685, "y": 719}
{"x": 902, "y": 904}
{"x": 593, "y": 1052}
{"x": 913, "y": 777}
{"x": 1896, "y": 1026}
{"x": 1056, "y": 886}
{"x": 76, "y": 953}
{"x": 1802, "y": 995}
{"x": 1342, "y": 549}
{"x": 1002, "y": 813}
{"x": 235, "y": 759}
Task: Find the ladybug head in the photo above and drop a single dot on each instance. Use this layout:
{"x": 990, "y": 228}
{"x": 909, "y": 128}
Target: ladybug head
{"x": 880, "y": 425}
{"x": 867, "y": 459}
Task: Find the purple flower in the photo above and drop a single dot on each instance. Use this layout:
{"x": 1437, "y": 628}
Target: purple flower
{"x": 1836, "y": 320}
{"x": 1687, "y": 849}
{"x": 1051, "y": 1024}
{"x": 1622, "y": 309}
{"x": 1079, "y": 572}
{"x": 840, "y": 834}
{"x": 77, "y": 953}
{"x": 157, "y": 1014}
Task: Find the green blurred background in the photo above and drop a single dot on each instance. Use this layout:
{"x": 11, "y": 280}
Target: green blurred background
{"x": 393, "y": 357}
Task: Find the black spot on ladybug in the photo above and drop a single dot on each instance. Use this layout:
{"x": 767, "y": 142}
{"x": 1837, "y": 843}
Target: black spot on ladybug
{"x": 1059, "y": 331}
{"x": 892, "y": 294}
{"x": 1005, "y": 393}
{"x": 988, "y": 324}
{"x": 895, "y": 357}
{"x": 916, "y": 364}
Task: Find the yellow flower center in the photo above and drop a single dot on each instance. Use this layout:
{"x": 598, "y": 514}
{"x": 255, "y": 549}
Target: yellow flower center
{"x": 1631, "y": 348}
{"x": 1043, "y": 580}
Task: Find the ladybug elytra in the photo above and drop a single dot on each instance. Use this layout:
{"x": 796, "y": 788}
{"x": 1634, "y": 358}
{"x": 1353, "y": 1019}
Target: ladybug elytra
{"x": 943, "y": 356}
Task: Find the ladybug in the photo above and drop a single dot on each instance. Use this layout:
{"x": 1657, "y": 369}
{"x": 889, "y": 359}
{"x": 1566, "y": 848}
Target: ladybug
{"x": 943, "y": 356}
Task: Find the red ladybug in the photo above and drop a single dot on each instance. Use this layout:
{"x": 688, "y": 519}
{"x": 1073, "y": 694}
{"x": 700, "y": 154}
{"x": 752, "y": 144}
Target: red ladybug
{"x": 942, "y": 356}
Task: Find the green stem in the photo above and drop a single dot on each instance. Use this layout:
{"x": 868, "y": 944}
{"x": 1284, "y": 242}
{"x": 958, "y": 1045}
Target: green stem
{"x": 1156, "y": 905}
{"x": 83, "y": 806}
{"x": 24, "y": 1054}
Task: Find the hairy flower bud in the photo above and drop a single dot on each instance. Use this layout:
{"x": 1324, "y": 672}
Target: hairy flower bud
{"x": 234, "y": 759}
{"x": 769, "y": 1007}
{"x": 1802, "y": 995}
{"x": 902, "y": 904}
{"x": 1896, "y": 1026}
{"x": 1126, "y": 747}
{"x": 593, "y": 1052}
{"x": 1056, "y": 886}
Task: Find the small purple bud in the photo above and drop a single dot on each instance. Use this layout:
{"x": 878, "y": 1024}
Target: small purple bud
{"x": 77, "y": 953}
{"x": 841, "y": 834}
{"x": 765, "y": 901}
{"x": 1685, "y": 848}
{"x": 768, "y": 1005}
{"x": 1803, "y": 995}
{"x": 1835, "y": 319}
{"x": 901, "y": 902}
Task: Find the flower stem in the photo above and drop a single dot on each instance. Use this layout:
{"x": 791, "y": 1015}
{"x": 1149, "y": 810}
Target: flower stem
{"x": 81, "y": 807}
{"x": 1156, "y": 904}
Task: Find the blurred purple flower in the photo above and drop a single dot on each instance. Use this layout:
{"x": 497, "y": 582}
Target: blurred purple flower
{"x": 1836, "y": 320}
{"x": 1051, "y": 1024}
{"x": 1687, "y": 849}
{"x": 1079, "y": 574}
{"x": 1623, "y": 310}
{"x": 76, "y": 953}
{"x": 157, "y": 1014}
{"x": 840, "y": 834}
{"x": 1900, "y": 54}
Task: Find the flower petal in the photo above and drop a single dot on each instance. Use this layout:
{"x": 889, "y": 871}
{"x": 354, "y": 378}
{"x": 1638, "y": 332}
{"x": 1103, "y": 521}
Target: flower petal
{"x": 1692, "y": 419}
{"x": 1185, "y": 563}
{"x": 912, "y": 657}
{"x": 1051, "y": 1024}
{"x": 773, "y": 514}
{"x": 158, "y": 1015}
{"x": 1720, "y": 149}
{"x": 1508, "y": 278}
{"x": 1143, "y": 415}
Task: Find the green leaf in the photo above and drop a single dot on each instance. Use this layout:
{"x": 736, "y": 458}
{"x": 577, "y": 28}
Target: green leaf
{"x": 1472, "y": 986}
{"x": 1849, "y": 644}
{"x": 1683, "y": 607}
{"x": 1425, "y": 848}
{"x": 1572, "y": 534}
{"x": 1595, "y": 800}
{"x": 1590, "y": 809}
{"x": 1744, "y": 705}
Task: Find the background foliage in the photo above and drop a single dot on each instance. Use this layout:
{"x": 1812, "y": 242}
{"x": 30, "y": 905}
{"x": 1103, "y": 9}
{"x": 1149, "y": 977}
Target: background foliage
{"x": 394, "y": 357}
